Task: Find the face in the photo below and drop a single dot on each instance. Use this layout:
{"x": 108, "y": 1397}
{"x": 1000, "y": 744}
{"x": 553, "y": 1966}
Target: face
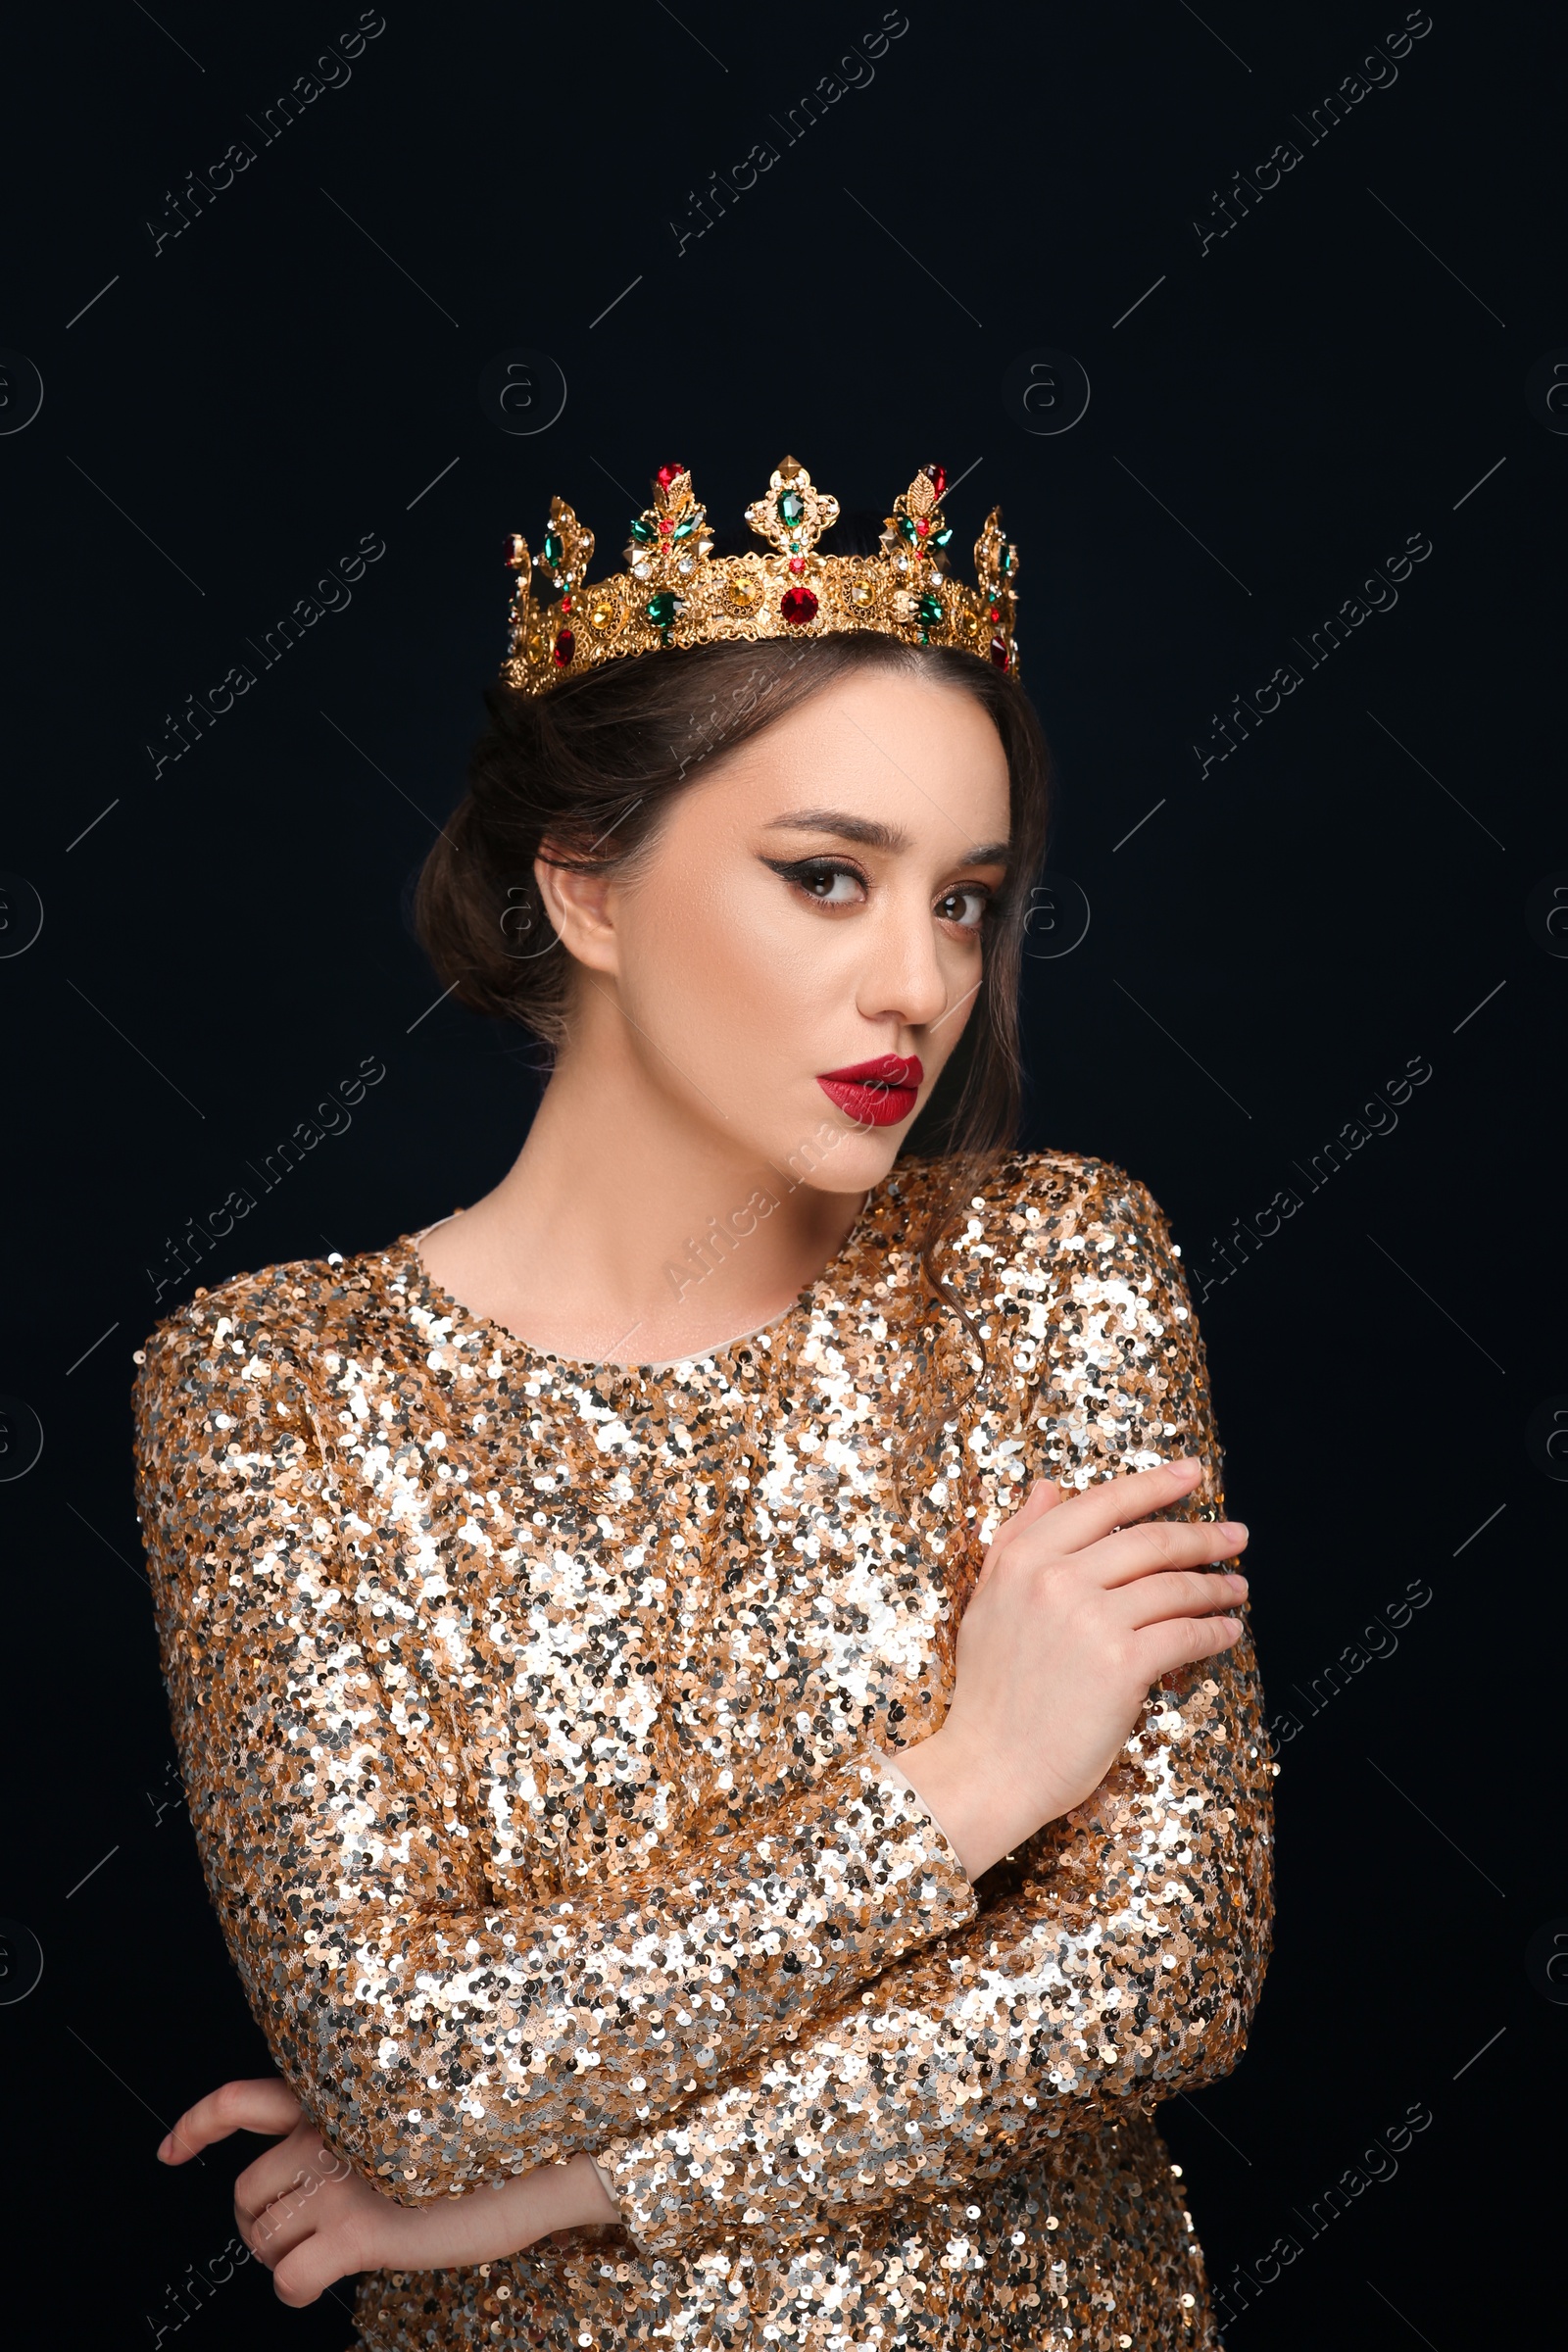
{"x": 796, "y": 953}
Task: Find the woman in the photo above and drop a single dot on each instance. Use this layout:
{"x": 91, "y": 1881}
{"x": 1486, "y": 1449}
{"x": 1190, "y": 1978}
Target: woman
{"x": 670, "y": 1924}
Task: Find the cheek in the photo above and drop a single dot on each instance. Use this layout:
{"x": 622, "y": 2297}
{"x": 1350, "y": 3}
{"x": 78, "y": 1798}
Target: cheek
{"x": 731, "y": 951}
{"x": 703, "y": 972}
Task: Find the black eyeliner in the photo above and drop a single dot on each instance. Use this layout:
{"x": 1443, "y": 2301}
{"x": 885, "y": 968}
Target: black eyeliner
{"x": 800, "y": 869}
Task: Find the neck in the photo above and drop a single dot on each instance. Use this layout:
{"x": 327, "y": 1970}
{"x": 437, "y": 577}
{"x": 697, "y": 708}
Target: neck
{"x": 632, "y": 1229}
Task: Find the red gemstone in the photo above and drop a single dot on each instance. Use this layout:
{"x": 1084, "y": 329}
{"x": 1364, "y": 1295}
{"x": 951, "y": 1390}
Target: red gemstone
{"x": 565, "y": 604}
{"x": 797, "y": 563}
{"x": 566, "y": 645}
{"x": 513, "y": 550}
{"x": 797, "y": 605}
{"x": 668, "y": 474}
{"x": 666, "y": 526}
{"x": 999, "y": 651}
{"x": 937, "y": 477}
{"x": 920, "y": 529}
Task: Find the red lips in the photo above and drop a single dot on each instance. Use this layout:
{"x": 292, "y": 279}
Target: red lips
{"x": 875, "y": 1094}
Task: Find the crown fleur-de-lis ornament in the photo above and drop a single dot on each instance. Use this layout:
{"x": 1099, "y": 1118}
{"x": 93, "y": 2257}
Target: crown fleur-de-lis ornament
{"x": 676, "y": 593}
{"x": 668, "y": 542}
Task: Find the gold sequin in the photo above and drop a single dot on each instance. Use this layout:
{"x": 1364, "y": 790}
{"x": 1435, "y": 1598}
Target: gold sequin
{"x": 533, "y": 1715}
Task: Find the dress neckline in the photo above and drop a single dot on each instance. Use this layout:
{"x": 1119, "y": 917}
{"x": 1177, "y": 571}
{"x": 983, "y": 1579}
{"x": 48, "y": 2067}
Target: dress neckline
{"x": 511, "y": 1345}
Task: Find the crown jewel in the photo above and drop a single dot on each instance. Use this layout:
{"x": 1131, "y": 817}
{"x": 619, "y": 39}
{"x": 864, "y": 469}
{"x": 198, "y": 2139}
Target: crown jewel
{"x": 676, "y": 592}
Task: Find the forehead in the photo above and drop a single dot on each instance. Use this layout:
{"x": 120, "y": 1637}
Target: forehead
{"x": 916, "y": 755}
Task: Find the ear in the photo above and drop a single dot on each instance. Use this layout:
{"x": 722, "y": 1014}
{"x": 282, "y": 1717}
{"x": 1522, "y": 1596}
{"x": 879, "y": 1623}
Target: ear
{"x": 580, "y": 906}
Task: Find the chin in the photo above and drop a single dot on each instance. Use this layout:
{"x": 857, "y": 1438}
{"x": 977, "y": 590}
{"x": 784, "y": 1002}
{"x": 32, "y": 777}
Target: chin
{"x": 832, "y": 1155}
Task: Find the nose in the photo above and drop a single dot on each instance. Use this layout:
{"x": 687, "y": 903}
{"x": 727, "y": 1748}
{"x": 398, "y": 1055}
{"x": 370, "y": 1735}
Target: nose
{"x": 903, "y": 979}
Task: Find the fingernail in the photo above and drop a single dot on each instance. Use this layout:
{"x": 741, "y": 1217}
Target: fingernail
{"x": 1239, "y": 1583}
{"x": 164, "y": 2147}
{"x": 1233, "y": 1529}
{"x": 1186, "y": 1461}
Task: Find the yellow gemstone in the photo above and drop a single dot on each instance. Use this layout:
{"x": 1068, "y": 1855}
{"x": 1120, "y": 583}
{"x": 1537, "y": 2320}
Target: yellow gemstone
{"x": 861, "y": 593}
{"x": 969, "y": 625}
{"x": 602, "y": 615}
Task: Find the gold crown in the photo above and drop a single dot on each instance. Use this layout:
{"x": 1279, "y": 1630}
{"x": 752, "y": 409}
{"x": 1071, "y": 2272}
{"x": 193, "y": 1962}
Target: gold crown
{"x": 676, "y": 593}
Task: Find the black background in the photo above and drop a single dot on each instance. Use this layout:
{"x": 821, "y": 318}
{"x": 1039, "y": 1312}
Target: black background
{"x": 1283, "y": 934}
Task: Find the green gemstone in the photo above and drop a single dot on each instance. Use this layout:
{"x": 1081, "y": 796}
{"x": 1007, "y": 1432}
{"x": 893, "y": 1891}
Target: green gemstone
{"x": 941, "y": 538}
{"x": 684, "y": 530}
{"x": 928, "y": 609}
{"x": 1007, "y": 559}
{"x": 906, "y": 526}
{"x": 642, "y": 531}
{"x": 552, "y": 551}
{"x": 791, "y": 508}
{"x": 662, "y": 609}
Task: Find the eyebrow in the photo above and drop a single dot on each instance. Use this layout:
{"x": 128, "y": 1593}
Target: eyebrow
{"x": 871, "y": 835}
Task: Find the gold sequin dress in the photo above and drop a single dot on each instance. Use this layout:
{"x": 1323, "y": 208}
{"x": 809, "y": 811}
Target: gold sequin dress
{"x": 533, "y": 1717}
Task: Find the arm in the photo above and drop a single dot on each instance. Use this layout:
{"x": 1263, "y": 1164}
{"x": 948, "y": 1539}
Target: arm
{"x": 310, "y": 1689}
{"x": 1119, "y": 1955}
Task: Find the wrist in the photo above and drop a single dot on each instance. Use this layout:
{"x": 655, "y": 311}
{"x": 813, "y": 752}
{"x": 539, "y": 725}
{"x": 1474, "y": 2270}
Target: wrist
{"x": 957, "y": 1789}
{"x": 607, "y": 2190}
{"x": 584, "y": 2194}
{"x": 554, "y": 2196}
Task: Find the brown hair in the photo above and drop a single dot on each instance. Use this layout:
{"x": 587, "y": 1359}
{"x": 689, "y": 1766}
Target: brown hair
{"x": 589, "y": 768}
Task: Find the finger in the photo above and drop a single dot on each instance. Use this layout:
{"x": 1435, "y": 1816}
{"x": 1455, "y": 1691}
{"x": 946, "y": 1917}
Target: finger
{"x": 283, "y": 2224}
{"x": 1043, "y": 1496}
{"x": 313, "y": 2266}
{"x": 275, "y": 2172}
{"x": 1184, "y": 1641}
{"x": 1155, "y": 1600}
{"x": 1165, "y": 1544}
{"x": 1113, "y": 1502}
{"x": 266, "y": 2105}
{"x": 294, "y": 2163}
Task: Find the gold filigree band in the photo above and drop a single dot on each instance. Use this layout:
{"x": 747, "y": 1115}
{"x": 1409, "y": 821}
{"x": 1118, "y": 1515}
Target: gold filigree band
{"x": 674, "y": 591}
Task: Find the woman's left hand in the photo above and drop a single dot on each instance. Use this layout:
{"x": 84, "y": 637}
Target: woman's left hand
{"x": 311, "y": 2219}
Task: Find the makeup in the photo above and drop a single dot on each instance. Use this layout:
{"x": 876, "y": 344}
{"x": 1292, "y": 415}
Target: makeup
{"x": 875, "y": 1094}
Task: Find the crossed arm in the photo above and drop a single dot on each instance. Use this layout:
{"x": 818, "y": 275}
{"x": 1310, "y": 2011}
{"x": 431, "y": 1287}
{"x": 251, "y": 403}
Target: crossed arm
{"x": 938, "y": 2049}
{"x": 1053, "y": 2005}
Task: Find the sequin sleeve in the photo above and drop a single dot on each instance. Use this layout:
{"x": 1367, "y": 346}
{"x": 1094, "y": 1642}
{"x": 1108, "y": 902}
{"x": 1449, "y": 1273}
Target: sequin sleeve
{"x": 441, "y": 2033}
{"x": 1117, "y": 1958}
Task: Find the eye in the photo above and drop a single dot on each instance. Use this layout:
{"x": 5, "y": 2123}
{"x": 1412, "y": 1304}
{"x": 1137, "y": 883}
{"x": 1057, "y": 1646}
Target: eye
{"x": 966, "y": 906}
{"x": 827, "y": 880}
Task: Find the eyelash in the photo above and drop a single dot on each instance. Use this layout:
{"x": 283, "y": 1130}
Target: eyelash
{"x": 803, "y": 871}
